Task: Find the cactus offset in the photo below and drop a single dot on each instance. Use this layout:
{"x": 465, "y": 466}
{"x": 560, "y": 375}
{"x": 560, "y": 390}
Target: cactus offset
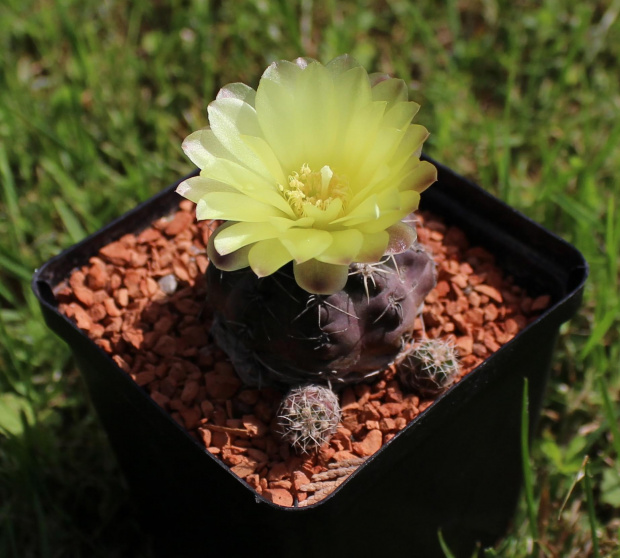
{"x": 275, "y": 332}
{"x": 308, "y": 417}
{"x": 429, "y": 367}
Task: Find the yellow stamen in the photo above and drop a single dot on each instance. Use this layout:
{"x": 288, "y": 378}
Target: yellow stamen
{"x": 316, "y": 188}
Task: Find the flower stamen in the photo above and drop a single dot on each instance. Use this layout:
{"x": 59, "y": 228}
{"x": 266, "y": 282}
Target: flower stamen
{"x": 315, "y": 188}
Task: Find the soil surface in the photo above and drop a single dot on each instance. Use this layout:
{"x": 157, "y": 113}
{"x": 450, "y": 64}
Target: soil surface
{"x": 142, "y": 300}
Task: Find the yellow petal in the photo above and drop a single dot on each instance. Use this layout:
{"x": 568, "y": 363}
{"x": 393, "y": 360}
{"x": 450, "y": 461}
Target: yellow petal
{"x": 241, "y": 234}
{"x": 420, "y": 177}
{"x": 367, "y": 210}
{"x": 201, "y": 151}
{"x": 341, "y": 64}
{"x": 231, "y": 118}
{"x": 400, "y": 115}
{"x": 282, "y": 72}
{"x": 276, "y": 112}
{"x": 239, "y": 91}
{"x": 229, "y": 262}
{"x": 386, "y": 220}
{"x": 321, "y": 278}
{"x": 373, "y": 247}
{"x": 376, "y": 78}
{"x": 234, "y": 207}
{"x": 316, "y": 111}
{"x": 411, "y": 142}
{"x": 267, "y": 256}
{"x": 323, "y": 217}
{"x": 391, "y": 90}
{"x": 304, "y": 61}
{"x": 267, "y": 157}
{"x": 344, "y": 248}
{"x": 305, "y": 244}
{"x": 247, "y": 182}
{"x": 196, "y": 187}
{"x": 284, "y": 223}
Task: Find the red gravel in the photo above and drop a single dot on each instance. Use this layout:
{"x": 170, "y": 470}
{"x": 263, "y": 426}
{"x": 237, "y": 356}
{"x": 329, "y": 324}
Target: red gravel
{"x": 141, "y": 299}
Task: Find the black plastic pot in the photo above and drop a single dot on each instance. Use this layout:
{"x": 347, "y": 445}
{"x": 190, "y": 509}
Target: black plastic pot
{"x": 457, "y": 467}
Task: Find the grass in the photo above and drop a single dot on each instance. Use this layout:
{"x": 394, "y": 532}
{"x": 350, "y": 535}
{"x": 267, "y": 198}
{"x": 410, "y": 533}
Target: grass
{"x": 95, "y": 99}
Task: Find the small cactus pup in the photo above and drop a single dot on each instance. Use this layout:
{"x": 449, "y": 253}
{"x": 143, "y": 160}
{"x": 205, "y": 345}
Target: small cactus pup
{"x": 308, "y": 417}
{"x": 315, "y": 274}
{"x": 429, "y": 367}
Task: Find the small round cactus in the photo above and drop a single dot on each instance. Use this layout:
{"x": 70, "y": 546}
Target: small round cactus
{"x": 308, "y": 417}
{"x": 429, "y": 367}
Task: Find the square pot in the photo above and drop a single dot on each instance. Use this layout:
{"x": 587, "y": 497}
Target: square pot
{"x": 456, "y": 467}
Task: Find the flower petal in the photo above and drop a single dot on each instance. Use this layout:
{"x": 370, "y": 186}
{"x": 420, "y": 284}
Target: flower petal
{"x": 373, "y": 247}
{"x": 377, "y": 77}
{"x": 316, "y": 111}
{"x": 247, "y": 182}
{"x": 196, "y": 187}
{"x": 239, "y": 91}
{"x": 420, "y": 177}
{"x": 267, "y": 157}
{"x": 400, "y": 115}
{"x": 241, "y": 234}
{"x": 321, "y": 278}
{"x": 341, "y": 64}
{"x": 234, "y": 207}
{"x": 196, "y": 148}
{"x": 267, "y": 256}
{"x": 367, "y": 210}
{"x": 229, "y": 262}
{"x": 231, "y": 118}
{"x": 413, "y": 139}
{"x": 276, "y": 112}
{"x": 284, "y": 223}
{"x": 402, "y": 237}
{"x": 391, "y": 90}
{"x": 323, "y": 217}
{"x": 344, "y": 248}
{"x": 305, "y": 244}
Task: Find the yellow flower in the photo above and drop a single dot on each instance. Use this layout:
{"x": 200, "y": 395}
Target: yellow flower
{"x": 317, "y": 166}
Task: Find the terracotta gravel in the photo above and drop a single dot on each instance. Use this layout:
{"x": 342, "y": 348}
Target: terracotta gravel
{"x": 142, "y": 299}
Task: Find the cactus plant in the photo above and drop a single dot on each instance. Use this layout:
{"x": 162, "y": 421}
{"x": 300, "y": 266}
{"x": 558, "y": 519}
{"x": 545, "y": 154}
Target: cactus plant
{"x": 314, "y": 275}
{"x": 429, "y": 367}
{"x": 308, "y": 416}
{"x": 276, "y": 332}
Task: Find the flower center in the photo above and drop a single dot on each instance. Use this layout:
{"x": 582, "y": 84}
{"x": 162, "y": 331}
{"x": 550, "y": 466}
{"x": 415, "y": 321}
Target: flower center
{"x": 318, "y": 188}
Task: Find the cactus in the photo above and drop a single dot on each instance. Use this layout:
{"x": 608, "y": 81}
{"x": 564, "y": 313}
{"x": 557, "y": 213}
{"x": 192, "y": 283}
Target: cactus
{"x": 276, "y": 332}
{"x": 308, "y": 417}
{"x": 429, "y": 367}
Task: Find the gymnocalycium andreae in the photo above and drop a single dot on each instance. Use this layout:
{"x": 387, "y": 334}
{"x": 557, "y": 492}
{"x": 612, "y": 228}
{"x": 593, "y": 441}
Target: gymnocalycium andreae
{"x": 308, "y": 416}
{"x": 315, "y": 275}
{"x": 429, "y": 367}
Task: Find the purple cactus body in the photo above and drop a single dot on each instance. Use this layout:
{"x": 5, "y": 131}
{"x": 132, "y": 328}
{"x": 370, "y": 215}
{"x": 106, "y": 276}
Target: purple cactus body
{"x": 275, "y": 332}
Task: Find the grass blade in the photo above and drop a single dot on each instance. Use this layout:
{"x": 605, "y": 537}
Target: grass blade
{"x": 69, "y": 220}
{"x": 444, "y": 546}
{"x": 528, "y": 474}
{"x": 591, "y": 513}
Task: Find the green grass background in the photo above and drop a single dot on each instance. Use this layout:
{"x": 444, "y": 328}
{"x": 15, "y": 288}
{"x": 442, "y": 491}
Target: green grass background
{"x": 523, "y": 96}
